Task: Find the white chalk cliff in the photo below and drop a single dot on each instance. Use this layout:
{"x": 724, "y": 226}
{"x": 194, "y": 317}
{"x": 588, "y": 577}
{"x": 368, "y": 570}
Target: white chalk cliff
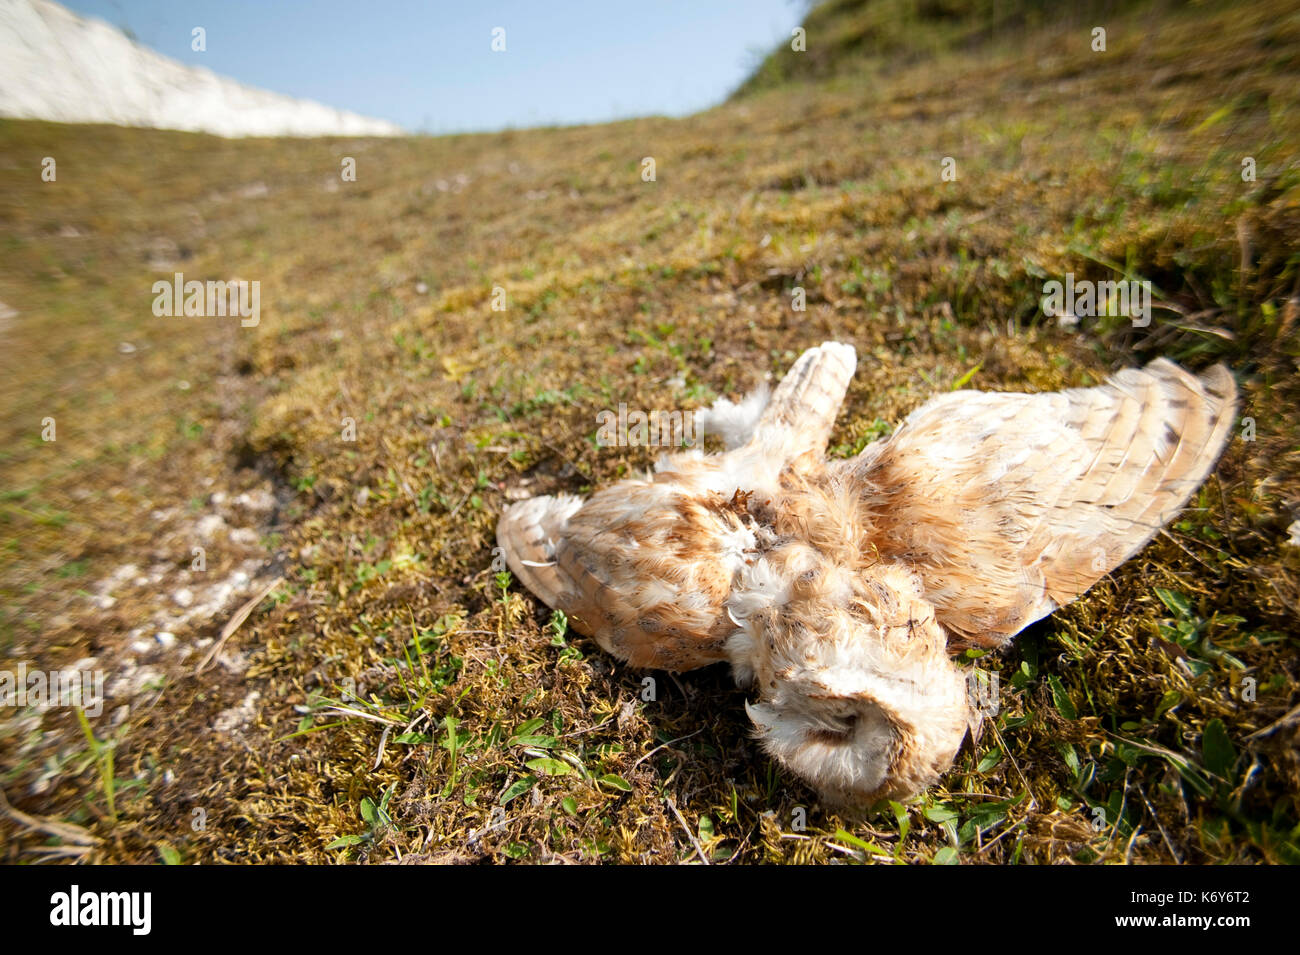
{"x": 57, "y": 65}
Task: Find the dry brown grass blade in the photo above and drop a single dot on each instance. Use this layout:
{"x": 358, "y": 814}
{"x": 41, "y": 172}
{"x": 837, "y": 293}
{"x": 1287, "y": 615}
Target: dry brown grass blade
{"x": 699, "y": 849}
{"x": 67, "y": 831}
{"x": 1290, "y": 719}
{"x": 235, "y": 623}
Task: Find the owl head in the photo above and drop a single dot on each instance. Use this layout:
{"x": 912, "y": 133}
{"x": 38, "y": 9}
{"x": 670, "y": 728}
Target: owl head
{"x": 856, "y": 692}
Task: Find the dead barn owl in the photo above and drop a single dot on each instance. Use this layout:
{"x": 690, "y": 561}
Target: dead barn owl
{"x": 837, "y": 589}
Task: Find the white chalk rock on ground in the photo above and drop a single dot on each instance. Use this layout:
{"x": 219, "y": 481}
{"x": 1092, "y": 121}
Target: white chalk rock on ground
{"x": 57, "y": 65}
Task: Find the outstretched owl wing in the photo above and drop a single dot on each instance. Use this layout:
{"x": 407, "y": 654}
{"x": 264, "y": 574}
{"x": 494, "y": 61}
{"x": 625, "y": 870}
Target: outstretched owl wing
{"x": 646, "y": 566}
{"x": 802, "y": 412}
{"x": 1011, "y": 505}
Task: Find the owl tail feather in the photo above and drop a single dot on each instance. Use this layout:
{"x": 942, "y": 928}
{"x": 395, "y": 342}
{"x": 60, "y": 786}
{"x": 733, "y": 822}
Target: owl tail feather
{"x": 527, "y": 533}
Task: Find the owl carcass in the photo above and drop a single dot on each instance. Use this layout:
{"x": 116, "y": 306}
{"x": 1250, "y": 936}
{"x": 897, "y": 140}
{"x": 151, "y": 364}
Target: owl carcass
{"x": 838, "y": 589}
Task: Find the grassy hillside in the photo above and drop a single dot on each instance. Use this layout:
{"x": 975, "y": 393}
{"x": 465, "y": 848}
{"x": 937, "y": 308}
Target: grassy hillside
{"x": 392, "y": 698}
{"x": 853, "y": 38}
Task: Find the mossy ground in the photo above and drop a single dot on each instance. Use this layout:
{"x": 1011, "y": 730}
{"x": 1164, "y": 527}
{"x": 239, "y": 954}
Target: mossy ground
{"x": 391, "y": 700}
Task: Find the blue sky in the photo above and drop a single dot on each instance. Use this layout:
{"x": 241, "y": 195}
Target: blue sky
{"x": 429, "y": 65}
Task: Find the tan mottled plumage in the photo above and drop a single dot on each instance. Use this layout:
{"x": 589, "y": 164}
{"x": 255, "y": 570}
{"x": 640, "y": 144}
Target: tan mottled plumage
{"x": 838, "y": 589}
